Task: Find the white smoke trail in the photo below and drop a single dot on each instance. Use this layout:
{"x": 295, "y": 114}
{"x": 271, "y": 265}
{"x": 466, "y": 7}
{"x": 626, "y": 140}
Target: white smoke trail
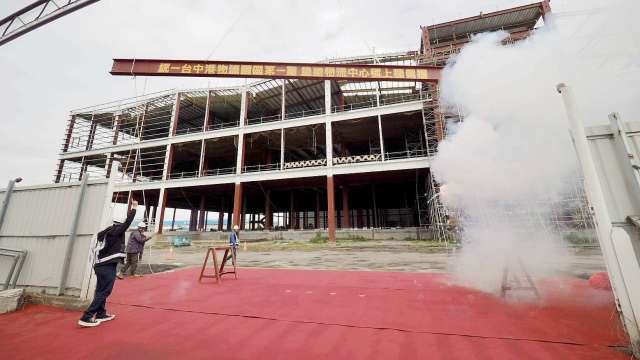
{"x": 512, "y": 155}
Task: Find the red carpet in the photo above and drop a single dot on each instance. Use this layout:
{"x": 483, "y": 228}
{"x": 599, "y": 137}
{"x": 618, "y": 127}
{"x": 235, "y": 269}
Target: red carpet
{"x": 293, "y": 314}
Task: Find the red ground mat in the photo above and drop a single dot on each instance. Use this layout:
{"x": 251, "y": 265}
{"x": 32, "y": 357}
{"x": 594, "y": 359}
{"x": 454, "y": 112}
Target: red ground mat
{"x": 291, "y": 314}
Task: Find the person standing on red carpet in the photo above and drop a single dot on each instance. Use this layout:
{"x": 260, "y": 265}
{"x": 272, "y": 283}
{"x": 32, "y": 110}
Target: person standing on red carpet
{"x": 110, "y": 252}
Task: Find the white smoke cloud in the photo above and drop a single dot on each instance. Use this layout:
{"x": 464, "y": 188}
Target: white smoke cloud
{"x": 512, "y": 155}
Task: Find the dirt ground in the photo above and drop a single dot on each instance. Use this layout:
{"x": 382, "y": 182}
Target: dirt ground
{"x": 398, "y": 255}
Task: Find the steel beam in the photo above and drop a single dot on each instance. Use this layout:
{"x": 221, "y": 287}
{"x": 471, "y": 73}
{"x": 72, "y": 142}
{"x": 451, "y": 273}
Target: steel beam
{"x": 35, "y": 15}
{"x": 273, "y": 70}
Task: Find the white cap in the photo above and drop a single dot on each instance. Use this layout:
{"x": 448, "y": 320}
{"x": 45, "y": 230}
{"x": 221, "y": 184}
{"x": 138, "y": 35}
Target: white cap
{"x": 236, "y": 227}
{"x": 142, "y": 224}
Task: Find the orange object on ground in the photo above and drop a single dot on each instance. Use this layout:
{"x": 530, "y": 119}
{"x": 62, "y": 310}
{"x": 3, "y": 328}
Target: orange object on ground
{"x": 600, "y": 280}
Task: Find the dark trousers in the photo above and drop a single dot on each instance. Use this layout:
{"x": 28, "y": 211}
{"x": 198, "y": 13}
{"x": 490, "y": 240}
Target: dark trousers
{"x": 132, "y": 263}
{"x": 106, "y": 277}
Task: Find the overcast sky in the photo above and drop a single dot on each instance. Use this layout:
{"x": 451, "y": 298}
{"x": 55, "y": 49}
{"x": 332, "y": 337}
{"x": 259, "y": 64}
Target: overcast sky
{"x": 64, "y": 65}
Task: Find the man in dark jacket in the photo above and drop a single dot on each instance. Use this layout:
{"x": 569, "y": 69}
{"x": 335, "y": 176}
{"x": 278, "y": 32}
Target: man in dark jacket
{"x": 135, "y": 246}
{"x": 110, "y": 253}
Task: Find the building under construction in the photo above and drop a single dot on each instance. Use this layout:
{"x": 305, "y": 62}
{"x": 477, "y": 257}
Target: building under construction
{"x": 312, "y": 153}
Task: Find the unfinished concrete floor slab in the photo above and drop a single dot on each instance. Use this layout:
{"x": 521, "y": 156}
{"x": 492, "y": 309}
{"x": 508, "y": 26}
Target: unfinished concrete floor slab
{"x": 323, "y": 314}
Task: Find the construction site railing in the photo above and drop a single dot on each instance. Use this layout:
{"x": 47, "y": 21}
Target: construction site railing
{"x": 384, "y": 100}
{"x": 303, "y": 113}
{"x": 261, "y": 168}
{"x": 189, "y": 130}
{"x": 264, "y": 119}
{"x": 223, "y": 125}
{"x": 221, "y": 171}
{"x": 406, "y": 154}
{"x": 183, "y": 175}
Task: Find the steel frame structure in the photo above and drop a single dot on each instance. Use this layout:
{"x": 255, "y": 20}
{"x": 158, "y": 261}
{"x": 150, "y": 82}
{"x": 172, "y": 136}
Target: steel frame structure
{"x": 256, "y": 125}
{"x": 36, "y": 15}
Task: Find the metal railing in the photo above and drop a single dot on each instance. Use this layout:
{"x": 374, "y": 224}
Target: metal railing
{"x": 303, "y": 113}
{"x": 406, "y": 154}
{"x": 183, "y": 175}
{"x": 384, "y": 100}
{"x": 189, "y": 130}
{"x": 264, "y": 119}
{"x": 220, "y": 171}
{"x": 223, "y": 125}
{"x": 390, "y": 100}
{"x": 354, "y": 106}
{"x": 261, "y": 168}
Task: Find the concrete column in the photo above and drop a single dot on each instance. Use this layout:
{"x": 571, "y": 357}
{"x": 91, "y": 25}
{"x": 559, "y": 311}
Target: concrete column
{"x": 229, "y": 221}
{"x": 237, "y": 204}
{"x": 203, "y": 150}
{"x": 208, "y": 107}
{"x": 375, "y": 206}
{"x": 201, "y": 223}
{"x": 268, "y": 224}
{"x": 316, "y": 214}
{"x": 331, "y": 209}
{"x": 221, "y": 215}
{"x": 346, "y": 219}
{"x": 162, "y": 203}
{"x": 83, "y": 168}
{"x": 292, "y": 214}
{"x": 193, "y": 220}
{"x": 173, "y": 125}
{"x": 359, "y": 220}
{"x": 116, "y": 130}
{"x": 381, "y": 137}
{"x": 144, "y": 117}
{"x": 173, "y": 220}
{"x": 168, "y": 162}
{"x": 379, "y": 121}
{"x": 243, "y": 217}
{"x": 327, "y": 126}
{"x": 240, "y": 154}
{"x": 284, "y": 102}
{"x": 244, "y": 106}
{"x": 154, "y": 212}
{"x": 281, "y": 149}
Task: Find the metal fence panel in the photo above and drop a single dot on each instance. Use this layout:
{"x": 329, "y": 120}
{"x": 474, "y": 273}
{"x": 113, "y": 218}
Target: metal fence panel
{"x": 38, "y": 220}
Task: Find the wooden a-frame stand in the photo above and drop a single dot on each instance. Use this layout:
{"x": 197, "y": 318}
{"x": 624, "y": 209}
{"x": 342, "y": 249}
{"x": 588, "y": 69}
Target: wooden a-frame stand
{"x": 218, "y": 272}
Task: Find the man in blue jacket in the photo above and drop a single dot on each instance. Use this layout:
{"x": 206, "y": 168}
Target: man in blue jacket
{"x": 110, "y": 253}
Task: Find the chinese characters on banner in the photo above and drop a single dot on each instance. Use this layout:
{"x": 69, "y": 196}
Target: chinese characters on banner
{"x": 294, "y": 71}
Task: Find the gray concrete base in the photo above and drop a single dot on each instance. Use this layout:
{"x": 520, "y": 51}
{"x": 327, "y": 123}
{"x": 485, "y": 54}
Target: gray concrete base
{"x": 65, "y": 302}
